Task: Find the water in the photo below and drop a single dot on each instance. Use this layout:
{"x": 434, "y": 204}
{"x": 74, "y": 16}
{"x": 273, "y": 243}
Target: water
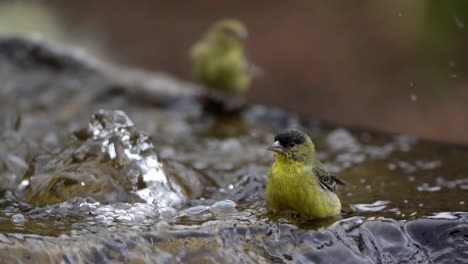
{"x": 100, "y": 164}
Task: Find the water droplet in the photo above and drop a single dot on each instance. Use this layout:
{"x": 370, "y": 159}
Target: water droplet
{"x": 196, "y": 209}
{"x": 426, "y": 188}
{"x": 458, "y": 22}
{"x": 452, "y": 63}
{"x": 18, "y": 218}
{"x": 373, "y": 207}
{"x": 444, "y": 215}
{"x": 226, "y": 206}
{"x": 24, "y": 183}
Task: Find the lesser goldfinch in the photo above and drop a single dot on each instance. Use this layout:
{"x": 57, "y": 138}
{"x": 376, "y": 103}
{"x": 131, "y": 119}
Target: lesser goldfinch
{"x": 219, "y": 60}
{"x": 298, "y": 181}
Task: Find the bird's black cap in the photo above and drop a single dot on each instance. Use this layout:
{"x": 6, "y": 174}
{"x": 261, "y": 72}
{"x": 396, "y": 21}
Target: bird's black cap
{"x": 290, "y": 137}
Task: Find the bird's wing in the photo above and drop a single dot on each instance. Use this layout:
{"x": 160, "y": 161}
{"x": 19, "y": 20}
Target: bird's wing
{"x": 327, "y": 181}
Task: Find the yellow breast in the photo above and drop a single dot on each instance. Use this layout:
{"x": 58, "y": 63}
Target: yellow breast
{"x": 292, "y": 185}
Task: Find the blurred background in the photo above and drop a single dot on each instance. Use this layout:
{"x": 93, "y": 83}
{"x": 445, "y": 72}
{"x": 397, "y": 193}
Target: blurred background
{"x": 393, "y": 65}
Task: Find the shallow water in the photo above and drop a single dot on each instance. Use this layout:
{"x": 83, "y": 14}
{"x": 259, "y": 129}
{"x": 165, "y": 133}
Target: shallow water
{"x": 155, "y": 178}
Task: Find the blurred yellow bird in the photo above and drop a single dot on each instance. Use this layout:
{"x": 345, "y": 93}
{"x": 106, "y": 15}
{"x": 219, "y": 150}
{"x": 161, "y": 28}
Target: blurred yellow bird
{"x": 298, "y": 181}
{"x": 219, "y": 59}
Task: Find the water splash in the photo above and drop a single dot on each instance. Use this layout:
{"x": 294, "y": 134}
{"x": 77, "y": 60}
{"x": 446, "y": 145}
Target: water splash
{"x": 109, "y": 161}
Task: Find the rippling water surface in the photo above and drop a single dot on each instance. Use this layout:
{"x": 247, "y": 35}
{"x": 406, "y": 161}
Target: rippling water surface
{"x": 102, "y": 164}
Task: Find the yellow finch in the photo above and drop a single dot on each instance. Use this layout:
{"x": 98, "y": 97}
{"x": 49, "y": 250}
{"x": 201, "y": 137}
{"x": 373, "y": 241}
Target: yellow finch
{"x": 218, "y": 59}
{"x": 298, "y": 181}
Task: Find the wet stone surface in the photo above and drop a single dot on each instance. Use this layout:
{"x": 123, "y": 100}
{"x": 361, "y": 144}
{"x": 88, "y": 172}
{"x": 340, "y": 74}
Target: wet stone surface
{"x": 100, "y": 163}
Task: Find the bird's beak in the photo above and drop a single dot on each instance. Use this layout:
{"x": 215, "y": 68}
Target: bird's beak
{"x": 276, "y": 147}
